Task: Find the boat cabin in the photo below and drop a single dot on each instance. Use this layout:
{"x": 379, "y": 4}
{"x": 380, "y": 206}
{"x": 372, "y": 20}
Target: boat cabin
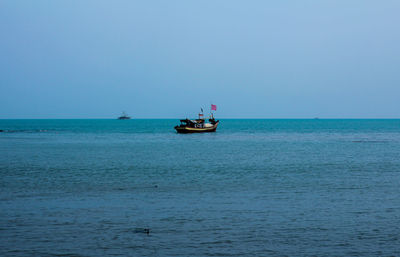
{"x": 198, "y": 123}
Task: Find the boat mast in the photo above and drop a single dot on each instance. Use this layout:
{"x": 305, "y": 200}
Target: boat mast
{"x": 201, "y": 114}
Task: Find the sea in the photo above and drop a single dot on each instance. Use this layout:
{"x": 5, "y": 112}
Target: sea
{"x": 256, "y": 187}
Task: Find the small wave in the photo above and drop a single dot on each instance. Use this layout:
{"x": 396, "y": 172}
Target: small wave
{"x": 24, "y": 130}
{"x": 218, "y": 242}
{"x": 369, "y": 141}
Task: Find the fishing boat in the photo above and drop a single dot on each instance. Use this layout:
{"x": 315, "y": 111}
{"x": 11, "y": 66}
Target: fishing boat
{"x": 198, "y": 125}
{"x": 124, "y": 116}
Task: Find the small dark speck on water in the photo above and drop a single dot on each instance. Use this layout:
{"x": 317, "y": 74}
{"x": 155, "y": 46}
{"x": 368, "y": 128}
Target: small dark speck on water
{"x": 142, "y": 230}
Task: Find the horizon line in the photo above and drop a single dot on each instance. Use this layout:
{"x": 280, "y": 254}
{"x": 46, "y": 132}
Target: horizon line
{"x": 315, "y": 118}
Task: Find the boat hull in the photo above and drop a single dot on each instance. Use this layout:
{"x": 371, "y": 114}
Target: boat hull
{"x": 186, "y": 130}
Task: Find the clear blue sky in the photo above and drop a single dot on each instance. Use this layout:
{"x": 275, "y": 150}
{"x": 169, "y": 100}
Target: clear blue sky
{"x": 166, "y": 59}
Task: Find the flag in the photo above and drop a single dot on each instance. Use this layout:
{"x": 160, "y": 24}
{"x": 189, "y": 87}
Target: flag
{"x": 213, "y": 107}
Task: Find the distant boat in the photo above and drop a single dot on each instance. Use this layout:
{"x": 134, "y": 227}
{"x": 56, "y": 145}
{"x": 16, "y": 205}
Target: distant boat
{"x": 124, "y": 116}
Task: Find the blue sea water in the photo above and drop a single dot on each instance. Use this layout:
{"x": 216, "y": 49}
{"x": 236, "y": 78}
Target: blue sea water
{"x": 253, "y": 188}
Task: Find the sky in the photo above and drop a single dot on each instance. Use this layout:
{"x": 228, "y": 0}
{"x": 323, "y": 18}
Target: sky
{"x": 168, "y": 59}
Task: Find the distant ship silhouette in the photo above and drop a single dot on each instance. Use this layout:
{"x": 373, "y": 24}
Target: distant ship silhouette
{"x": 124, "y": 116}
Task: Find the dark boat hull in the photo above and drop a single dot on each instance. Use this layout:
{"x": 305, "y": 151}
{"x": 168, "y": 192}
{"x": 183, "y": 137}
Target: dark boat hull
{"x": 186, "y": 130}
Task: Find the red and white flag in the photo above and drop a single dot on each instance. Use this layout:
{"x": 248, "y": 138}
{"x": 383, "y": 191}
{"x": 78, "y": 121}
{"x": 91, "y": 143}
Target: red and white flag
{"x": 213, "y": 107}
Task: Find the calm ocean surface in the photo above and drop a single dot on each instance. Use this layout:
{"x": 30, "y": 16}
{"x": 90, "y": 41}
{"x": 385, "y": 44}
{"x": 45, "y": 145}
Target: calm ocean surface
{"x": 253, "y": 188}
